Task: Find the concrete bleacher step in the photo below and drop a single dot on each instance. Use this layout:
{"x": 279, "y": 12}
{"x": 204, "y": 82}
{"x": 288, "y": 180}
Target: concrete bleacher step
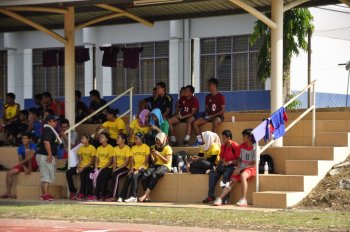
{"x": 33, "y": 192}
{"x": 277, "y": 182}
{"x": 307, "y": 167}
{"x": 277, "y": 199}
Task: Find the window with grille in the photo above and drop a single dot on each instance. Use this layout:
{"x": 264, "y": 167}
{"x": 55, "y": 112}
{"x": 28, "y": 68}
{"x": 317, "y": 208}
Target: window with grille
{"x": 51, "y": 79}
{"x": 3, "y": 74}
{"x": 153, "y": 67}
{"x": 232, "y": 61}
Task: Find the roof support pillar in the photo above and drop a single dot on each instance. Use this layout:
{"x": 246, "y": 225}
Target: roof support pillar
{"x": 69, "y": 65}
{"x": 277, "y": 60}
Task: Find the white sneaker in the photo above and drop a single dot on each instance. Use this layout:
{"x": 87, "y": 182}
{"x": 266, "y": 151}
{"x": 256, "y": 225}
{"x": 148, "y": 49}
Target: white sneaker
{"x": 217, "y": 202}
{"x": 242, "y": 202}
{"x": 131, "y": 200}
{"x": 222, "y": 184}
{"x": 120, "y": 199}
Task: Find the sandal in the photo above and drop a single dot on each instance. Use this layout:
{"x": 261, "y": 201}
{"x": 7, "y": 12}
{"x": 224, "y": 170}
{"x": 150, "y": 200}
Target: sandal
{"x": 5, "y": 196}
{"x": 111, "y": 199}
{"x": 147, "y": 200}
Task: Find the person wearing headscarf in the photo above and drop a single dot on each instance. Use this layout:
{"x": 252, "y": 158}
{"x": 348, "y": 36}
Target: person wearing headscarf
{"x": 139, "y": 160}
{"x": 161, "y": 157}
{"x": 208, "y": 155}
{"x": 139, "y": 124}
{"x": 158, "y": 124}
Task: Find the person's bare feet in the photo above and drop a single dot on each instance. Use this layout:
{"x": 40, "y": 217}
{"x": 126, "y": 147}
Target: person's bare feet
{"x": 142, "y": 199}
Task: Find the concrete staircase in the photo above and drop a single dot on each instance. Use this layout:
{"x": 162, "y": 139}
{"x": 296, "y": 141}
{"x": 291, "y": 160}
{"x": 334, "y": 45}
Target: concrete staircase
{"x": 299, "y": 167}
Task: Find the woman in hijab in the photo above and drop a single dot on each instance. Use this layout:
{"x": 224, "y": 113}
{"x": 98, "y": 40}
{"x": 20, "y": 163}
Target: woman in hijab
{"x": 158, "y": 124}
{"x": 139, "y": 124}
{"x": 208, "y": 155}
{"x": 161, "y": 156}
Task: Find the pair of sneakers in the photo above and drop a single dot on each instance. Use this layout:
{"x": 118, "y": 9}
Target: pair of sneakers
{"x": 242, "y": 202}
{"x": 131, "y": 200}
{"x": 46, "y": 197}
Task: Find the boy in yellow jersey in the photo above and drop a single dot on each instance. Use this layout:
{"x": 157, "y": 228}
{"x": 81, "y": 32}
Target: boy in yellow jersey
{"x": 139, "y": 159}
{"x": 103, "y": 164}
{"x": 208, "y": 156}
{"x": 140, "y": 124}
{"x": 114, "y": 126}
{"x": 161, "y": 155}
{"x": 10, "y": 113}
{"x": 86, "y": 154}
{"x": 121, "y": 164}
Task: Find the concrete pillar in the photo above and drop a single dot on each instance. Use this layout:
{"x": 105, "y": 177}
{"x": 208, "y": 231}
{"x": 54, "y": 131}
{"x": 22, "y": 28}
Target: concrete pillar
{"x": 28, "y": 74}
{"x": 176, "y": 78}
{"x": 187, "y": 59}
{"x": 196, "y": 59}
{"x": 69, "y": 65}
{"x": 103, "y": 74}
{"x": 89, "y": 71}
{"x": 277, "y": 60}
{"x": 15, "y": 71}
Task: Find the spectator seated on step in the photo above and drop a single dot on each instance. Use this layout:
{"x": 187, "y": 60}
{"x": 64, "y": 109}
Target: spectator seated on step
{"x": 34, "y": 124}
{"x": 64, "y": 137}
{"x": 246, "y": 169}
{"x": 10, "y": 112}
{"x": 49, "y": 103}
{"x": 96, "y": 103}
{"x": 140, "y": 124}
{"x": 214, "y": 110}
{"x": 186, "y": 108}
{"x": 149, "y": 102}
{"x": 26, "y": 163}
{"x": 17, "y": 128}
{"x": 208, "y": 156}
{"x": 81, "y": 110}
{"x": 158, "y": 124}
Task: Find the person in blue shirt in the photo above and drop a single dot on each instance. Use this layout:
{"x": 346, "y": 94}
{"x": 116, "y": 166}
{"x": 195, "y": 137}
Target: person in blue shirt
{"x": 34, "y": 126}
{"x": 27, "y": 163}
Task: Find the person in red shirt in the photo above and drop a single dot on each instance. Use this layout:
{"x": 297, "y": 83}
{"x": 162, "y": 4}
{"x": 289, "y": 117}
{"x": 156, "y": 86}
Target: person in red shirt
{"x": 214, "y": 110}
{"x": 229, "y": 155}
{"x": 54, "y": 105}
{"x": 186, "y": 108}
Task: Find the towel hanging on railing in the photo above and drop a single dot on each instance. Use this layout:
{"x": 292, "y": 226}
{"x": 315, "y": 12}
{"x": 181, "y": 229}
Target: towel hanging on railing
{"x": 277, "y": 121}
{"x": 262, "y": 131}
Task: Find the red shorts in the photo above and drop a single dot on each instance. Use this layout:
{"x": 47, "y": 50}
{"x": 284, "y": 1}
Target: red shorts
{"x": 250, "y": 171}
{"x": 34, "y": 166}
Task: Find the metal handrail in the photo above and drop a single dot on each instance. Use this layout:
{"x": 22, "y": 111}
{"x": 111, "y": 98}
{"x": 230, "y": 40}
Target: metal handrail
{"x": 312, "y": 108}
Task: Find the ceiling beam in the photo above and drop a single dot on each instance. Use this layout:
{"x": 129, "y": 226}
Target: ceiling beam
{"x": 126, "y": 13}
{"x": 99, "y": 19}
{"x": 293, "y": 4}
{"x": 251, "y": 10}
{"x": 37, "y": 9}
{"x": 33, "y": 24}
{"x": 346, "y": 2}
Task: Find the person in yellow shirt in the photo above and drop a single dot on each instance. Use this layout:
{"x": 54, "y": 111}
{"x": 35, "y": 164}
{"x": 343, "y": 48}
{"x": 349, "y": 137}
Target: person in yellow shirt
{"x": 10, "y": 113}
{"x": 139, "y": 160}
{"x": 121, "y": 161}
{"x": 114, "y": 126}
{"x": 208, "y": 156}
{"x": 86, "y": 154}
{"x": 103, "y": 164}
{"x": 161, "y": 156}
{"x": 140, "y": 124}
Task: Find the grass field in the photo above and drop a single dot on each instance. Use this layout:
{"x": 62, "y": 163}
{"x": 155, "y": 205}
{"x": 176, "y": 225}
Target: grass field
{"x": 207, "y": 218}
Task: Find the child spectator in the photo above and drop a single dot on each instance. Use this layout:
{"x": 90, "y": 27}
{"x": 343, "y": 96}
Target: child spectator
{"x": 149, "y": 102}
{"x": 182, "y": 92}
{"x": 17, "y": 127}
{"x": 74, "y": 137}
{"x": 27, "y": 163}
{"x": 46, "y": 156}
{"x": 81, "y": 110}
{"x": 164, "y": 101}
{"x": 214, "y": 110}
{"x": 229, "y": 156}
{"x": 103, "y": 164}
{"x": 10, "y": 109}
{"x": 161, "y": 156}
{"x": 139, "y": 160}
{"x": 158, "y": 124}
{"x": 121, "y": 164}
{"x": 34, "y": 126}
{"x": 245, "y": 171}
{"x": 49, "y": 103}
{"x": 186, "y": 108}
{"x": 114, "y": 126}
{"x": 95, "y": 104}
{"x": 208, "y": 155}
{"x": 139, "y": 124}
{"x": 86, "y": 154}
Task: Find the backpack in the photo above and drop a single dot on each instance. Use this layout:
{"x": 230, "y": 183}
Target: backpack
{"x": 266, "y": 158}
{"x": 180, "y": 160}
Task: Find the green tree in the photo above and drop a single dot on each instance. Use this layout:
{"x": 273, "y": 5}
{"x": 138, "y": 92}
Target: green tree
{"x": 296, "y": 25}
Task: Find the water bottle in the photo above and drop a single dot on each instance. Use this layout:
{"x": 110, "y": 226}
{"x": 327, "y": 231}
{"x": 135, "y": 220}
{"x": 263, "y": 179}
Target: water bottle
{"x": 266, "y": 169}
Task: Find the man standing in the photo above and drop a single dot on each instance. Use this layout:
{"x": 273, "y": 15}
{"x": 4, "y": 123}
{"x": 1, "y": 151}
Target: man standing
{"x": 46, "y": 156}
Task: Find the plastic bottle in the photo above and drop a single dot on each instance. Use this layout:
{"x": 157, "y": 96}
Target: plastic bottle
{"x": 266, "y": 169}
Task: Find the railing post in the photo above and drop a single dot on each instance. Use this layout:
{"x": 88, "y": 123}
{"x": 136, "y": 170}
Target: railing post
{"x": 313, "y": 133}
{"x": 257, "y": 161}
{"x": 68, "y": 154}
{"x": 131, "y": 106}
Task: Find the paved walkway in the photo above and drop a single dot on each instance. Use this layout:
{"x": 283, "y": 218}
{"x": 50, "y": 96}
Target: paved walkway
{"x": 25, "y": 225}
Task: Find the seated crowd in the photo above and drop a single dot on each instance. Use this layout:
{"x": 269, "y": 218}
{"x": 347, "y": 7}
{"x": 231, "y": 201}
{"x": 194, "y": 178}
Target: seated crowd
{"x": 142, "y": 152}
